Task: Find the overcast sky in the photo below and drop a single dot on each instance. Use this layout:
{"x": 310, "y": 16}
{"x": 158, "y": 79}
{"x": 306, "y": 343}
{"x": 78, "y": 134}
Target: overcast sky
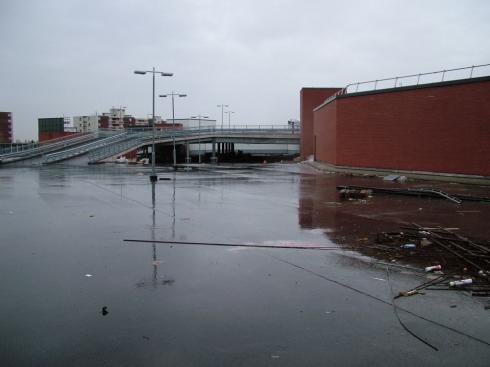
{"x": 76, "y": 57}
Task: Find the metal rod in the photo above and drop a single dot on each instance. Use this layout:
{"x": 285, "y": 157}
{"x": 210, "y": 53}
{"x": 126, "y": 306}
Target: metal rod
{"x": 237, "y": 245}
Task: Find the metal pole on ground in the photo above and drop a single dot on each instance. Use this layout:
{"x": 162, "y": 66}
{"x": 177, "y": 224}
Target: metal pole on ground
{"x": 199, "y": 133}
{"x": 173, "y": 94}
{"x": 153, "y": 176}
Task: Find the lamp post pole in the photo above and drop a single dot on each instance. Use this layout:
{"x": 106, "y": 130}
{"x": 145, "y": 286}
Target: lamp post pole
{"x": 153, "y": 176}
{"x": 173, "y": 94}
{"x": 199, "y": 117}
{"x": 229, "y": 118}
{"x": 222, "y": 113}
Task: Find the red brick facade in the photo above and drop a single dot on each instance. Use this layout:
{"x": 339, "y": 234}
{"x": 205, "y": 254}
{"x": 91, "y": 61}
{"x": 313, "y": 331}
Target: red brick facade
{"x": 309, "y": 99}
{"x": 6, "y": 135}
{"x": 442, "y": 127}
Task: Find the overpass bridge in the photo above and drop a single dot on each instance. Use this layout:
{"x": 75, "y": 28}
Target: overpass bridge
{"x": 106, "y": 144}
{"x": 217, "y": 137}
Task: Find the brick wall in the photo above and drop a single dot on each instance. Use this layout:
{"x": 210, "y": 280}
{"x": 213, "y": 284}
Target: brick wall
{"x": 325, "y": 133}
{"x": 44, "y": 136}
{"x": 444, "y": 127}
{"x": 309, "y": 99}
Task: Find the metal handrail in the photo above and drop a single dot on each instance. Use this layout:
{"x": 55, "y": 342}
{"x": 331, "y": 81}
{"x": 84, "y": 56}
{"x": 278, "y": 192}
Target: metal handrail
{"x": 68, "y": 153}
{"x": 398, "y": 78}
{"x": 41, "y": 149}
{"x": 345, "y": 90}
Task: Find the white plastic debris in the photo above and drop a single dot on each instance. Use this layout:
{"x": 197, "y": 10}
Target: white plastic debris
{"x": 88, "y": 275}
{"x": 433, "y": 268}
{"x": 409, "y": 245}
{"x": 459, "y": 283}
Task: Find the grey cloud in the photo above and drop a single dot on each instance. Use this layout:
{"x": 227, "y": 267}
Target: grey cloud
{"x": 77, "y": 57}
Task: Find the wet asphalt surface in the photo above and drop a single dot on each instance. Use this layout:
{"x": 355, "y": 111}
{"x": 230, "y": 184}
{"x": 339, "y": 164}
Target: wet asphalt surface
{"x": 63, "y": 259}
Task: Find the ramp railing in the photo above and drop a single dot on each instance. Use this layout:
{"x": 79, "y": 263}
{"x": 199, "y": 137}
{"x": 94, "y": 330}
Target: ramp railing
{"x": 82, "y": 149}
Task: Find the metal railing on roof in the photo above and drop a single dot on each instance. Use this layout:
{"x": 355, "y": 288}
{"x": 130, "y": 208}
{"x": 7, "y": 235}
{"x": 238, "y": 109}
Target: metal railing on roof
{"x": 467, "y": 72}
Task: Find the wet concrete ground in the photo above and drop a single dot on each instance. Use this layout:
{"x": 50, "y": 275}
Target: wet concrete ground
{"x": 213, "y": 306}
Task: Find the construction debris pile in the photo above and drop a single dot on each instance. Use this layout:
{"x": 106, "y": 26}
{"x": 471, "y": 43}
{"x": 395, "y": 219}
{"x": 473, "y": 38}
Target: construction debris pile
{"x": 354, "y": 192}
{"x": 460, "y": 262}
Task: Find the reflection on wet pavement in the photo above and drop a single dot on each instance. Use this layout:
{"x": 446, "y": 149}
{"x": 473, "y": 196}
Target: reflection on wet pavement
{"x": 210, "y": 306}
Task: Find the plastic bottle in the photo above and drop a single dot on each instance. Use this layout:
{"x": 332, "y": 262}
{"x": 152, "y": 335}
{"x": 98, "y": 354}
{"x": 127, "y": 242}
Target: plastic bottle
{"x": 458, "y": 283}
{"x": 433, "y": 268}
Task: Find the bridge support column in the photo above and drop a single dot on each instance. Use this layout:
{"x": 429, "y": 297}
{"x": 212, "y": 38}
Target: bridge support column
{"x": 214, "y": 159}
{"x": 187, "y": 156}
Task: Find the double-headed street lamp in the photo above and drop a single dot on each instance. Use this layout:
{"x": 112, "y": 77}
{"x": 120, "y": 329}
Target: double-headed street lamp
{"x": 173, "y": 94}
{"x": 199, "y": 117}
{"x": 153, "y": 176}
{"x": 229, "y": 118}
{"x": 222, "y": 109}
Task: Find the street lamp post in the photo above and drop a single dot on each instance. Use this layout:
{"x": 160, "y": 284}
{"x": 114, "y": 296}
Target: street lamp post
{"x": 229, "y": 118}
{"x": 173, "y": 94}
{"x": 199, "y": 117}
{"x": 153, "y": 176}
{"x": 222, "y": 113}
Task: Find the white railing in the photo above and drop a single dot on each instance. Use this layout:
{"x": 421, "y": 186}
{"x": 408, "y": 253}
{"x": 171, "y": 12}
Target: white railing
{"x": 468, "y": 72}
{"x": 38, "y": 150}
{"x": 79, "y": 150}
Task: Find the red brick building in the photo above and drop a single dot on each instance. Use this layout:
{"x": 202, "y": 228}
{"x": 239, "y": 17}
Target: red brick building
{"x": 6, "y": 136}
{"x": 438, "y": 128}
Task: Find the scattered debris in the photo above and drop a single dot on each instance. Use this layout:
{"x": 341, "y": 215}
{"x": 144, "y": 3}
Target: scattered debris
{"x": 394, "y": 178}
{"x": 408, "y": 245}
{"x": 460, "y": 283}
{"x": 433, "y": 268}
{"x": 355, "y": 193}
{"x": 466, "y": 260}
{"x": 88, "y": 275}
{"x": 146, "y": 337}
{"x": 395, "y": 311}
{"x": 420, "y": 192}
{"x": 104, "y": 311}
{"x": 391, "y": 177}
